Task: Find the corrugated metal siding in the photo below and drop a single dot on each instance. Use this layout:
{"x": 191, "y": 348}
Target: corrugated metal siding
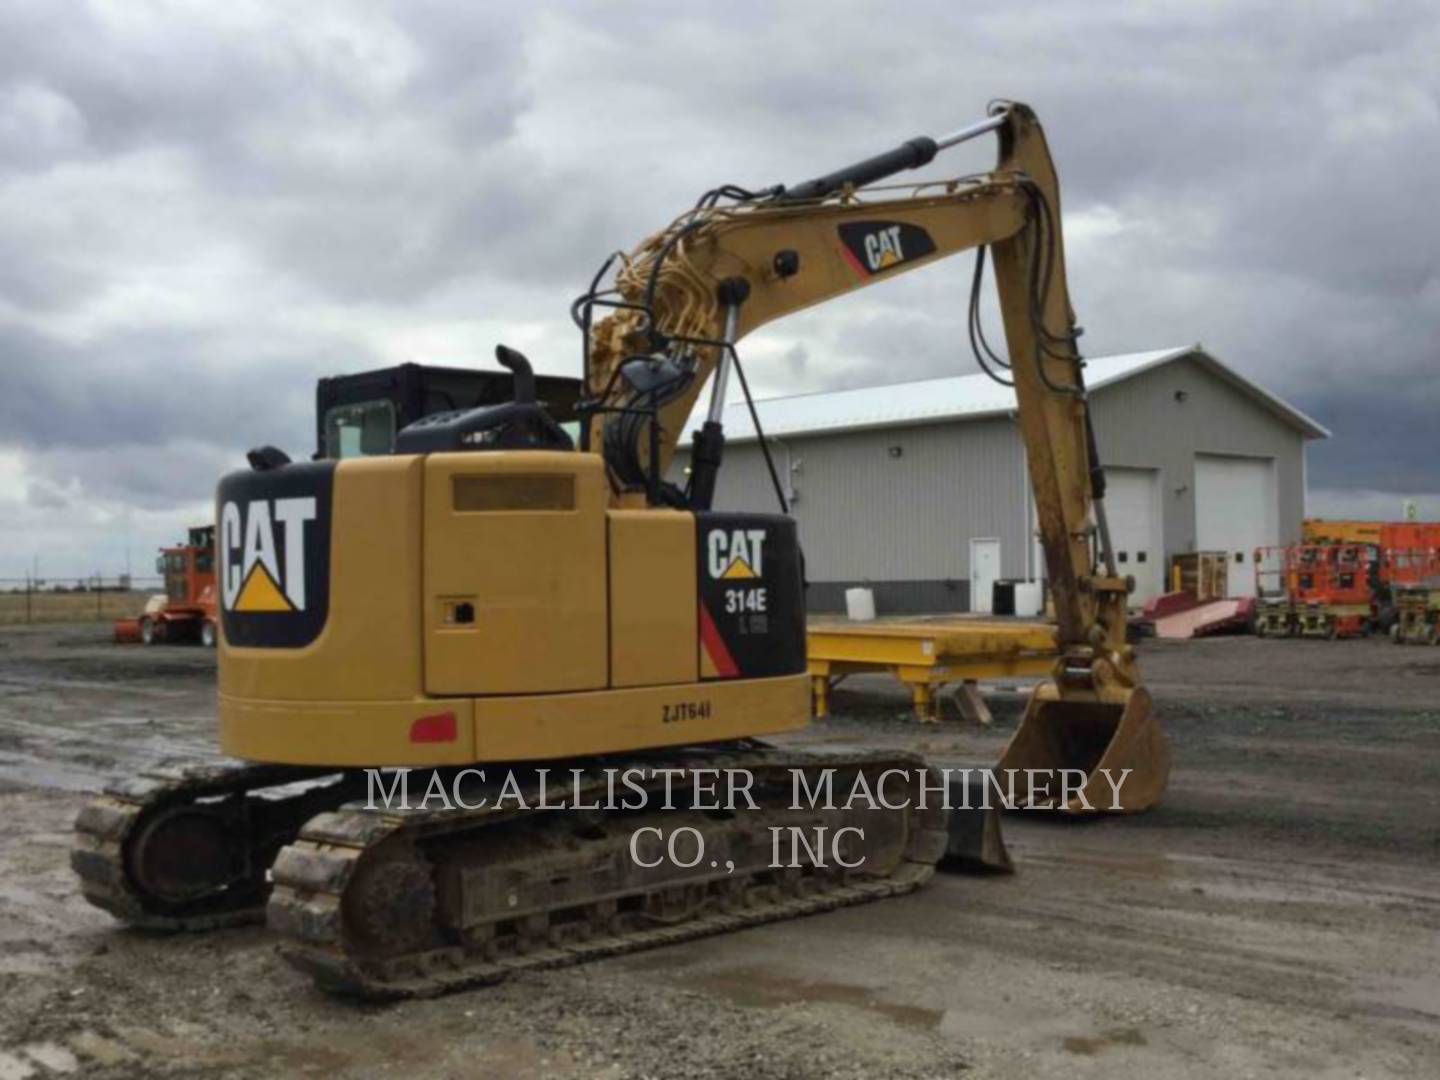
{"x": 866, "y": 516}
{"x": 893, "y": 597}
{"x": 1139, "y": 422}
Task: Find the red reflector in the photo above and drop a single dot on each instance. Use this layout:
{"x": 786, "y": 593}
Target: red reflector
{"x": 437, "y": 728}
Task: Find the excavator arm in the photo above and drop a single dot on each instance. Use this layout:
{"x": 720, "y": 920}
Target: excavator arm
{"x": 684, "y": 298}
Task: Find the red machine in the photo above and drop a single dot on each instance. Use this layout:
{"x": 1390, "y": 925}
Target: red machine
{"x": 1335, "y": 587}
{"x": 186, "y": 611}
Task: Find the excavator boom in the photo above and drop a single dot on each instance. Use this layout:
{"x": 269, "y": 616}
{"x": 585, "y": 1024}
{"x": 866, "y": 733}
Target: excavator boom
{"x": 689, "y": 293}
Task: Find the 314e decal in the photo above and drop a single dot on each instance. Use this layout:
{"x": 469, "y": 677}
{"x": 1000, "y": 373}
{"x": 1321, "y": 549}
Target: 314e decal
{"x": 752, "y": 602}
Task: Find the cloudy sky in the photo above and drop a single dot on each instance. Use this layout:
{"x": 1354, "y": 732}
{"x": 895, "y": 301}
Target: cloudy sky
{"x": 205, "y": 206}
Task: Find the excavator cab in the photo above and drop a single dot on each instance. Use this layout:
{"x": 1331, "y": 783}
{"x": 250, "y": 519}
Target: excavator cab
{"x": 361, "y": 415}
{"x": 521, "y": 423}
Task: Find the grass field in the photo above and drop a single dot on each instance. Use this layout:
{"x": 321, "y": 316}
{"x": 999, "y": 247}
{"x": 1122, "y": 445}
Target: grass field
{"x": 49, "y": 607}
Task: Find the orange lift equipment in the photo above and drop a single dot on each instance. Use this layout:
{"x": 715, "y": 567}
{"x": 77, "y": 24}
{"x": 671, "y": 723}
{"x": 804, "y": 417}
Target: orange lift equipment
{"x": 186, "y": 611}
{"x": 1335, "y": 586}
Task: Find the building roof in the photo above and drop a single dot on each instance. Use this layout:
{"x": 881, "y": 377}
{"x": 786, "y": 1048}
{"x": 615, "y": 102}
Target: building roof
{"x": 965, "y": 397}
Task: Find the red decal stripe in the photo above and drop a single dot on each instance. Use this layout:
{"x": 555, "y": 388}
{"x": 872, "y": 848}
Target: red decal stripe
{"x": 439, "y": 727}
{"x": 853, "y": 261}
{"x": 715, "y": 646}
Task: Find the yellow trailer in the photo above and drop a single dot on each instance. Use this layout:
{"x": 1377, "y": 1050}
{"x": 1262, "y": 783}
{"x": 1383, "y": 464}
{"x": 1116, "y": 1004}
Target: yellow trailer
{"x": 926, "y": 653}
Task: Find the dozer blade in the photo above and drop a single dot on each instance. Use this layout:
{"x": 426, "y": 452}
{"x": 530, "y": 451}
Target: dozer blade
{"x": 973, "y": 840}
{"x": 1100, "y": 739}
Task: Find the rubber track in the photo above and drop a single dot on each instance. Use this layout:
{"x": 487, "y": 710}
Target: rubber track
{"x": 310, "y": 877}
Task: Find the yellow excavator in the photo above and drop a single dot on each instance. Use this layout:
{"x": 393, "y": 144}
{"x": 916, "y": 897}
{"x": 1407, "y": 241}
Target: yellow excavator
{"x": 506, "y": 605}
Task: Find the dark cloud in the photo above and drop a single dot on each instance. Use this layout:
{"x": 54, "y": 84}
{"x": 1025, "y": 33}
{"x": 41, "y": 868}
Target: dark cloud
{"x": 202, "y": 211}
{"x": 156, "y": 477}
{"x": 143, "y": 390}
{"x": 1380, "y": 441}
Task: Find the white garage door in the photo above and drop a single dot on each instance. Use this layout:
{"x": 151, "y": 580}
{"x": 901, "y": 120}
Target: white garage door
{"x": 1235, "y": 512}
{"x": 1132, "y": 506}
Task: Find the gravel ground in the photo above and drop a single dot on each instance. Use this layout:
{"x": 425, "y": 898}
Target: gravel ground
{"x": 1278, "y": 915}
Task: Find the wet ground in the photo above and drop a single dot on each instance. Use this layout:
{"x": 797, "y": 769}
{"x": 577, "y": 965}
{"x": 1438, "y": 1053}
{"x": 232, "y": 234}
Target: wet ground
{"x": 1279, "y": 915}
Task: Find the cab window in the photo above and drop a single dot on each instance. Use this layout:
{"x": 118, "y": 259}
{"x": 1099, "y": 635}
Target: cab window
{"x": 359, "y": 430}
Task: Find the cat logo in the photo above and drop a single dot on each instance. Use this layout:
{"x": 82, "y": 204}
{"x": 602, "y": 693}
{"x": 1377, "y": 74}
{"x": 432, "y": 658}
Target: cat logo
{"x": 874, "y": 246}
{"x": 257, "y": 573}
{"x": 883, "y": 248}
{"x": 735, "y": 553}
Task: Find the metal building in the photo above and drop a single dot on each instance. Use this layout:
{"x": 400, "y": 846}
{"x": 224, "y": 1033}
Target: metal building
{"x": 919, "y": 490}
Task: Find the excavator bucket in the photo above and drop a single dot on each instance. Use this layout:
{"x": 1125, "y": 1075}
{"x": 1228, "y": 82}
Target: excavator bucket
{"x": 1101, "y": 740}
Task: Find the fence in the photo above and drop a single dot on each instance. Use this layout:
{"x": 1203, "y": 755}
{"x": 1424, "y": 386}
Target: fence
{"x": 95, "y": 598}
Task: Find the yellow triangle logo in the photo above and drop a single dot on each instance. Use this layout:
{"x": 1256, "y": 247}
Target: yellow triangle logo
{"x": 260, "y": 593}
{"x": 888, "y": 258}
{"x": 738, "y": 568}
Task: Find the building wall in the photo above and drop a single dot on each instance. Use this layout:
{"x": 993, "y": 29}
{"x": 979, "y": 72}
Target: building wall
{"x": 1139, "y": 422}
{"x": 902, "y": 524}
